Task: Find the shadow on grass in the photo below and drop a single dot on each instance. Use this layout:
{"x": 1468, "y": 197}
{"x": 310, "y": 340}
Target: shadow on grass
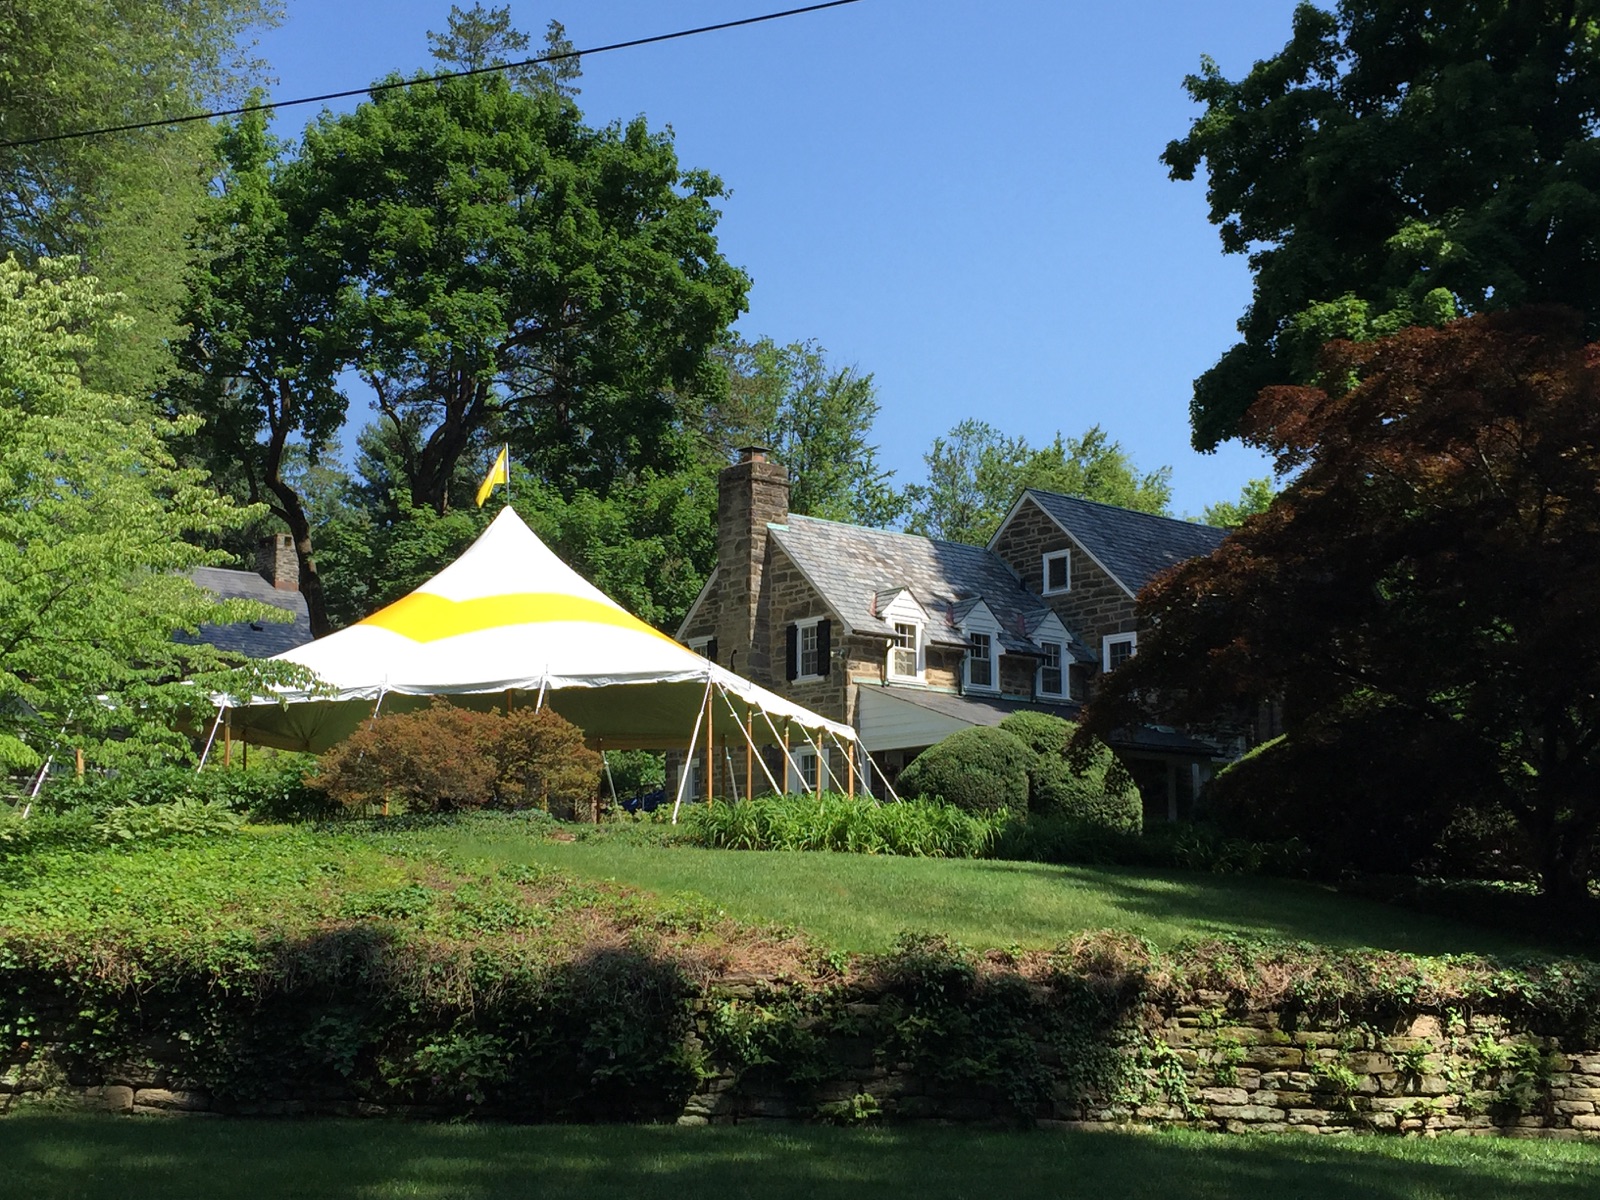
{"x": 1233, "y": 904}
{"x": 58, "y": 1156}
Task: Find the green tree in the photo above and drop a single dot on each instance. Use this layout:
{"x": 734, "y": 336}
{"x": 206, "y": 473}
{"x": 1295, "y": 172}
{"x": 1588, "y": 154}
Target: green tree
{"x": 125, "y": 203}
{"x": 816, "y": 419}
{"x": 976, "y": 472}
{"x": 1255, "y": 497}
{"x": 479, "y": 37}
{"x": 97, "y": 530}
{"x": 649, "y": 543}
{"x": 1398, "y": 163}
{"x": 506, "y": 266}
{"x": 1422, "y": 592}
{"x": 259, "y": 364}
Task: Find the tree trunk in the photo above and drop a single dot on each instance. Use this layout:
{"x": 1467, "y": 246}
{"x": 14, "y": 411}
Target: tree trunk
{"x": 294, "y": 515}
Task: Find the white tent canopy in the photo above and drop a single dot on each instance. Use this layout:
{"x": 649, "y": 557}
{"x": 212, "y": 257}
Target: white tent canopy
{"x": 510, "y": 623}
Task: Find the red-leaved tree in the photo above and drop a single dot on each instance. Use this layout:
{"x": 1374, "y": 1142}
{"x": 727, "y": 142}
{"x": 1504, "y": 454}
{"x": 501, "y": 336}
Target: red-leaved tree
{"x": 1429, "y": 582}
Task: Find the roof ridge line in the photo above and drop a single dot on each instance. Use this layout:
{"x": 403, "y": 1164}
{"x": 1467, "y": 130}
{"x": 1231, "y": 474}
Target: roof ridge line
{"x": 1122, "y": 508}
{"x": 899, "y": 533}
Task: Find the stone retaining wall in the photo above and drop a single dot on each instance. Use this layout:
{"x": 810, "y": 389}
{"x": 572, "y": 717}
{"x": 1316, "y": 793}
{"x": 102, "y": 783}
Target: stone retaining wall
{"x": 1195, "y": 1065}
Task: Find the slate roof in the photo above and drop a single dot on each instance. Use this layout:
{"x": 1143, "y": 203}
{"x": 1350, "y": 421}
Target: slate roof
{"x": 1134, "y": 546}
{"x": 255, "y": 639}
{"x": 852, "y": 566}
{"x": 991, "y": 710}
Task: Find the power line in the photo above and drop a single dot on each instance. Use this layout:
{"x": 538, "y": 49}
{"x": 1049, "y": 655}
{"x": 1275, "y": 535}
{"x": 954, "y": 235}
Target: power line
{"x": 385, "y": 87}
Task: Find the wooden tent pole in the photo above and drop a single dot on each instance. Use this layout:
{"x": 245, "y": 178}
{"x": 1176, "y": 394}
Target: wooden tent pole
{"x": 227, "y": 739}
{"x": 749, "y": 754}
{"x": 711, "y": 762}
{"x": 749, "y": 732}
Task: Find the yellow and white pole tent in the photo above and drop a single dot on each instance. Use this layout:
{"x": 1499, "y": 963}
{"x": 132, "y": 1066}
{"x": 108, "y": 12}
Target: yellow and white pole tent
{"x": 509, "y": 623}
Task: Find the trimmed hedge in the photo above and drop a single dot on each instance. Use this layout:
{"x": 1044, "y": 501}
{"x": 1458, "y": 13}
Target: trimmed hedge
{"x": 978, "y": 770}
{"x": 1093, "y": 789}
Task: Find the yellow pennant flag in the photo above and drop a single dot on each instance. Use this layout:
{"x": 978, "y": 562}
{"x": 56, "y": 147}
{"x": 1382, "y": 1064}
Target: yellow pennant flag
{"x": 499, "y": 473}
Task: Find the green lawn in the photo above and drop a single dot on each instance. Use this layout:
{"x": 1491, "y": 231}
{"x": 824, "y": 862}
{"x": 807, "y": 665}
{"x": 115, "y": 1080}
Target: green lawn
{"x": 50, "y": 1157}
{"x": 861, "y": 902}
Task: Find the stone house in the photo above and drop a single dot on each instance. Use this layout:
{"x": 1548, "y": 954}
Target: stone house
{"x": 909, "y": 638}
{"x": 275, "y": 581}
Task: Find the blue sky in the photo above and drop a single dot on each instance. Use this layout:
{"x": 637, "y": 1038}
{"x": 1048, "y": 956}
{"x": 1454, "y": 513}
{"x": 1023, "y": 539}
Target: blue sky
{"x": 963, "y": 199}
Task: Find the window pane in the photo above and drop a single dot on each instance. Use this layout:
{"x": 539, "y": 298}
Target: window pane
{"x": 808, "y": 650}
{"x": 1050, "y": 669}
{"x": 1055, "y": 573}
{"x": 903, "y": 655}
{"x": 1118, "y": 653}
{"x": 980, "y": 664}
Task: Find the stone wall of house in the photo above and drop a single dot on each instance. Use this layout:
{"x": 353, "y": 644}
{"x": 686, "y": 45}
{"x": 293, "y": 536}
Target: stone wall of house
{"x": 1095, "y": 606}
{"x": 1197, "y": 1064}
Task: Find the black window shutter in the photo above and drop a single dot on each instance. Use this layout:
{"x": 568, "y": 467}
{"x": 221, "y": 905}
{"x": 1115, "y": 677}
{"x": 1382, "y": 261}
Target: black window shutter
{"x": 824, "y": 647}
{"x": 711, "y": 649}
{"x": 792, "y": 665}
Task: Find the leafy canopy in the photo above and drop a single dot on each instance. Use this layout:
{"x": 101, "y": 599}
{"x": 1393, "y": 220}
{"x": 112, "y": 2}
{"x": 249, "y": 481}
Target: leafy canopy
{"x": 1398, "y": 163}
{"x": 124, "y": 204}
{"x": 975, "y": 473}
{"x": 816, "y": 418}
{"x": 503, "y": 266}
{"x": 97, "y": 530}
{"x": 1437, "y": 558}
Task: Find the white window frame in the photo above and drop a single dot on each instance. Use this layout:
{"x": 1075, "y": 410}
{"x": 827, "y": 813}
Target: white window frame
{"x": 699, "y": 644}
{"x": 800, "y": 627}
{"x": 1062, "y": 668}
{"x": 916, "y": 647}
{"x": 1064, "y": 556}
{"x": 994, "y": 666}
{"x": 1130, "y": 640}
{"x": 805, "y": 758}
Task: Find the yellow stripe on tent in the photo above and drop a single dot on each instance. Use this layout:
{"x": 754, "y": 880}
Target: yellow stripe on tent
{"x": 424, "y": 617}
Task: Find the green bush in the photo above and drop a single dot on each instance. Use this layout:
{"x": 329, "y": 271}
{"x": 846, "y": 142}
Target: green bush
{"x": 272, "y": 789}
{"x": 859, "y": 825}
{"x": 449, "y": 759}
{"x": 1092, "y": 788}
{"x": 979, "y": 770}
{"x": 1180, "y": 845}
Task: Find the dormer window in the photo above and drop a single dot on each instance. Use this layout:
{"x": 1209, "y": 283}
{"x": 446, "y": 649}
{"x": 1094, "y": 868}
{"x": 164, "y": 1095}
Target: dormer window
{"x": 1057, "y": 572}
{"x": 980, "y": 662}
{"x": 905, "y": 651}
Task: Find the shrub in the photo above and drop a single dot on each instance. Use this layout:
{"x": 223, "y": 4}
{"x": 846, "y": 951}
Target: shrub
{"x": 448, "y": 759}
{"x": 859, "y": 825}
{"x": 272, "y": 789}
{"x": 1092, "y": 787}
{"x": 1181, "y": 845}
{"x": 979, "y": 770}
{"x": 543, "y": 763}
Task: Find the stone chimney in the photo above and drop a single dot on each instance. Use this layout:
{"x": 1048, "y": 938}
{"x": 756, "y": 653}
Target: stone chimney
{"x": 277, "y": 562}
{"x": 750, "y": 493}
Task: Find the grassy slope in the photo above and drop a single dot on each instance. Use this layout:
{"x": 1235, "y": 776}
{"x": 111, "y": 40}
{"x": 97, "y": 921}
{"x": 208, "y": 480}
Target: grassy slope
{"x": 858, "y": 902}
{"x": 53, "y": 1156}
